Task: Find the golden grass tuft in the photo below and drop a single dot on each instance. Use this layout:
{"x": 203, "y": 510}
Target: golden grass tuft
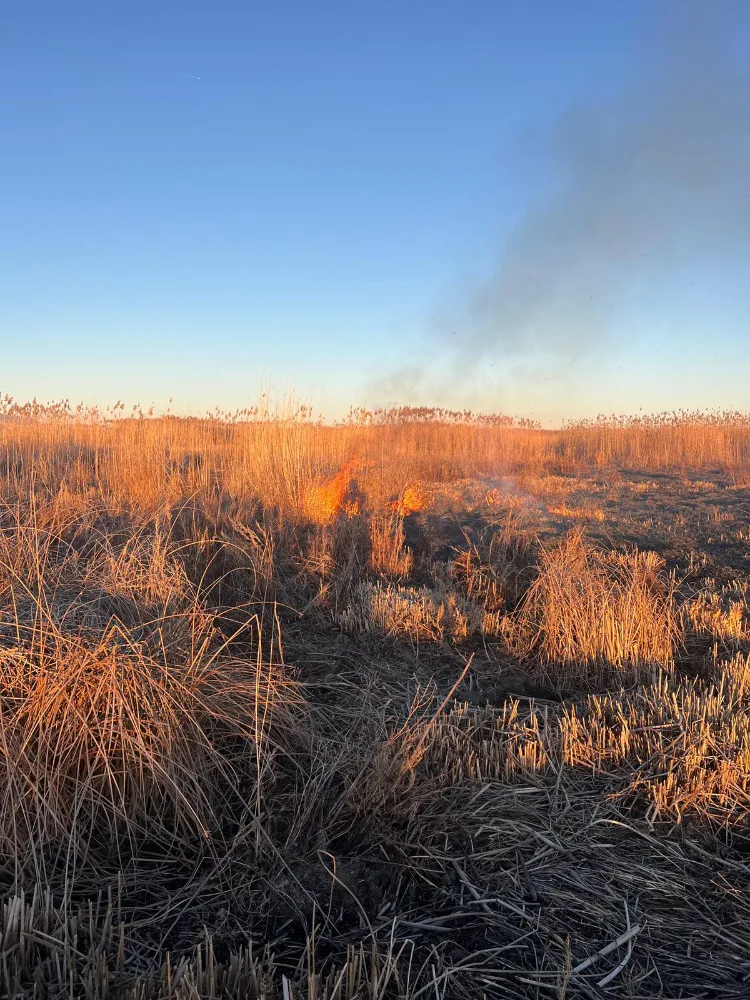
{"x": 388, "y": 555}
{"x": 591, "y": 610}
{"x": 687, "y": 745}
{"x": 106, "y": 743}
{"x": 721, "y": 612}
{"x": 577, "y": 513}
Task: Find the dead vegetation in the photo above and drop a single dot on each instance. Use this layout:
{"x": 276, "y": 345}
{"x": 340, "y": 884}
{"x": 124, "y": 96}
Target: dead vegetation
{"x": 589, "y": 610}
{"x": 293, "y": 711}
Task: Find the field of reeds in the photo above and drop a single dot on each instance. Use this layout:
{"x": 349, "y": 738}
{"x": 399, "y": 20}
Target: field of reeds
{"x": 420, "y": 704}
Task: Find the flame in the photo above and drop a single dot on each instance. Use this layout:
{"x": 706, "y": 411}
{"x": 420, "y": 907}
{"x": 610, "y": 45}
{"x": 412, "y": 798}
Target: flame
{"x": 341, "y": 495}
{"x": 326, "y": 501}
{"x": 413, "y": 499}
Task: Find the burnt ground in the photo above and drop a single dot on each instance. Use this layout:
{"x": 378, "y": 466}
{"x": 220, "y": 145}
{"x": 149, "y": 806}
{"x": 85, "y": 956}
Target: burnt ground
{"x": 700, "y": 524}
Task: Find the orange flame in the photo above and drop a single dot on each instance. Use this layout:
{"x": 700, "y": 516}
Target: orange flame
{"x": 413, "y": 499}
{"x": 324, "y": 502}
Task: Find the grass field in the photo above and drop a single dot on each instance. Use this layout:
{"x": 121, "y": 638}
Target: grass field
{"x": 418, "y": 705}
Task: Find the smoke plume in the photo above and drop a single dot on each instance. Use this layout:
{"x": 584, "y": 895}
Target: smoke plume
{"x": 649, "y": 185}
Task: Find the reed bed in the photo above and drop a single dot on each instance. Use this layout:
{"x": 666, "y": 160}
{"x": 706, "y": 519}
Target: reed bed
{"x": 323, "y": 712}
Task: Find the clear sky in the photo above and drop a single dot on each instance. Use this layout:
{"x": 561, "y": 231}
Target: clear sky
{"x": 350, "y": 198}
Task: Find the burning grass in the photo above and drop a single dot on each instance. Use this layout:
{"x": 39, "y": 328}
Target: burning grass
{"x": 338, "y": 496}
{"x": 297, "y": 711}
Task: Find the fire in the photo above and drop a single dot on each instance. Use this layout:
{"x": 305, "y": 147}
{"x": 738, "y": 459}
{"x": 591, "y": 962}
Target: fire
{"x": 413, "y": 499}
{"x": 340, "y": 495}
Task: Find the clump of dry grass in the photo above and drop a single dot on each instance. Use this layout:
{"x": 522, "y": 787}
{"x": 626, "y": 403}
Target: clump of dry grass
{"x": 418, "y": 612}
{"x": 144, "y": 569}
{"x": 680, "y": 746}
{"x": 720, "y": 612}
{"x": 590, "y": 610}
{"x": 106, "y": 746}
{"x": 496, "y": 566}
{"x": 388, "y": 555}
{"x": 686, "y": 745}
{"x": 125, "y": 718}
{"x": 482, "y": 744}
{"x": 578, "y": 513}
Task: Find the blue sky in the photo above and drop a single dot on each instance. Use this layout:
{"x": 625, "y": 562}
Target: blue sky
{"x": 199, "y": 197}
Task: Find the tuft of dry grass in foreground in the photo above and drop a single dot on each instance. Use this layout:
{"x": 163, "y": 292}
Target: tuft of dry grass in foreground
{"x": 293, "y": 711}
{"x": 125, "y": 715}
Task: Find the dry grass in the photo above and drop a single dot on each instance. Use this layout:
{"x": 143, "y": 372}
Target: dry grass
{"x": 688, "y": 745}
{"x": 588, "y": 610}
{"x": 682, "y": 746}
{"x": 299, "y": 711}
{"x": 280, "y": 454}
{"x": 103, "y": 741}
{"x": 388, "y": 555}
{"x": 89, "y": 947}
{"x": 578, "y": 513}
{"x": 420, "y": 613}
{"x": 721, "y": 612}
{"x": 126, "y": 715}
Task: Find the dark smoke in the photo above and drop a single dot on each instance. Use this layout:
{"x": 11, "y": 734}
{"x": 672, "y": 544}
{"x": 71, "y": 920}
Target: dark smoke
{"x": 650, "y": 185}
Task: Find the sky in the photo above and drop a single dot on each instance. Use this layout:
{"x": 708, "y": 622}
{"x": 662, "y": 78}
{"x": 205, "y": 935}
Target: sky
{"x": 540, "y": 208}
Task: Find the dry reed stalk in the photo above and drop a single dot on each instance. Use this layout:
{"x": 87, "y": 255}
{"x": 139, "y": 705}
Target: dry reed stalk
{"x": 279, "y": 454}
{"x": 388, "y": 555}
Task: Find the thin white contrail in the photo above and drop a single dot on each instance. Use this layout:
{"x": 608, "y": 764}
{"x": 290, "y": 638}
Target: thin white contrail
{"x": 188, "y": 76}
